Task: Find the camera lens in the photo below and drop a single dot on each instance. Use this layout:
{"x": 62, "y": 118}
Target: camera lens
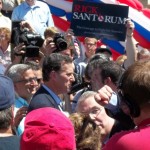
{"x": 61, "y": 44}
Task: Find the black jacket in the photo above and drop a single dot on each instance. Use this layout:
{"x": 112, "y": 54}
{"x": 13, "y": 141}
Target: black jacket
{"x": 42, "y": 98}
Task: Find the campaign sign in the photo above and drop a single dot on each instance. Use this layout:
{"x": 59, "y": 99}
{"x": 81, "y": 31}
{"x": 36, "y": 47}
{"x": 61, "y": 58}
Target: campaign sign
{"x": 99, "y": 20}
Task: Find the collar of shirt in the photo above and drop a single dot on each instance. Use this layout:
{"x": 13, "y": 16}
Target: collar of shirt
{"x": 8, "y": 49}
{"x": 5, "y": 53}
{"x": 55, "y": 97}
{"x": 113, "y": 99}
{"x": 113, "y": 103}
{"x": 26, "y": 5}
{"x": 19, "y": 102}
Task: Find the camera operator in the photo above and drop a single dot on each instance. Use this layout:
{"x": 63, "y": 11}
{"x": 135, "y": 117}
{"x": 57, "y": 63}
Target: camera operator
{"x": 25, "y": 36}
{"x": 19, "y": 42}
{"x": 19, "y": 56}
{"x": 36, "y": 12}
{"x": 26, "y": 41}
{"x": 55, "y": 41}
{"x": 48, "y": 46}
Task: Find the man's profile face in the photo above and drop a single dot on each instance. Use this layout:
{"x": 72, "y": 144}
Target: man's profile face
{"x": 65, "y": 77}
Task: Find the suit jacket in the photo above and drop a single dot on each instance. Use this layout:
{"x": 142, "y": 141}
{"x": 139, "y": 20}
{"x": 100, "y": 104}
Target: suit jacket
{"x": 42, "y": 98}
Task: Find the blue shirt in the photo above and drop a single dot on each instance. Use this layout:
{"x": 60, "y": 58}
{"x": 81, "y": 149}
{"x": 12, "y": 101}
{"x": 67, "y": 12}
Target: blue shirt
{"x": 20, "y": 102}
{"x": 113, "y": 104}
{"x": 38, "y": 15}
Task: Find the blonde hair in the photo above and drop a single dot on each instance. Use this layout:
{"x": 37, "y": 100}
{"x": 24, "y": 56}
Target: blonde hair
{"x": 87, "y": 133}
{"x": 121, "y": 59}
{"x": 50, "y": 32}
{"x": 87, "y": 38}
{"x": 6, "y": 31}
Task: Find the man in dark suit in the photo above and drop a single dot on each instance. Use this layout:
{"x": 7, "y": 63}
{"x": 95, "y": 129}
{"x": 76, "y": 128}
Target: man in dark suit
{"x": 58, "y": 75}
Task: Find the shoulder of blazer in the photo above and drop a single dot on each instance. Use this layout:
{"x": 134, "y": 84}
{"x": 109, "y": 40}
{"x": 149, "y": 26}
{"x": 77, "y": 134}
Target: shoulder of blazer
{"x": 41, "y": 90}
{"x": 44, "y": 95}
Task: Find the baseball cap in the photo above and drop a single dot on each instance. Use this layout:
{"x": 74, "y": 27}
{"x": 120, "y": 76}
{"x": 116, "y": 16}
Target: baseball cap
{"x": 103, "y": 48}
{"x": 48, "y": 128}
{"x": 7, "y": 96}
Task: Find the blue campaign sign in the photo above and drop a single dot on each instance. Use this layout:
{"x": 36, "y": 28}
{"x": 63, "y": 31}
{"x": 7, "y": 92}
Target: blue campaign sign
{"x": 99, "y": 20}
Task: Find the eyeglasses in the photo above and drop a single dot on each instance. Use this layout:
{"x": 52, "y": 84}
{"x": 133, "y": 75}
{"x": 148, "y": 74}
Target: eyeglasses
{"x": 93, "y": 113}
{"x": 90, "y": 44}
{"x": 39, "y": 80}
{"x": 29, "y": 80}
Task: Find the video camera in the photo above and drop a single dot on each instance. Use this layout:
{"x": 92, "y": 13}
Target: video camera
{"x": 31, "y": 40}
{"x": 60, "y": 42}
{"x": 57, "y": 37}
{"x": 79, "y": 84}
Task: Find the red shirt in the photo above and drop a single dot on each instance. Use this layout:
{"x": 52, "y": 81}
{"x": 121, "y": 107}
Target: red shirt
{"x": 137, "y": 139}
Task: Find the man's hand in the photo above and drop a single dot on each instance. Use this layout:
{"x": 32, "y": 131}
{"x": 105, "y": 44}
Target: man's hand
{"x": 130, "y": 27}
{"x": 18, "y": 53}
{"x": 25, "y": 24}
{"x": 103, "y": 95}
{"x": 19, "y": 115}
{"x": 48, "y": 46}
{"x": 19, "y": 49}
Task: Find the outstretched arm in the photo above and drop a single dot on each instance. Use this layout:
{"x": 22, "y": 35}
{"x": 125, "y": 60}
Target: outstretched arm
{"x": 131, "y": 50}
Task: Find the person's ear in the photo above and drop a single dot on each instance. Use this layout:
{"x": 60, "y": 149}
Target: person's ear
{"x": 15, "y": 86}
{"x": 52, "y": 75}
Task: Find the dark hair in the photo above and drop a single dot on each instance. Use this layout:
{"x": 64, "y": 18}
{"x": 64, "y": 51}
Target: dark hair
{"x": 107, "y": 69}
{"x": 54, "y": 62}
{"x": 93, "y": 63}
{"x": 103, "y": 49}
{"x": 33, "y": 65}
{"x": 6, "y": 117}
{"x": 111, "y": 69}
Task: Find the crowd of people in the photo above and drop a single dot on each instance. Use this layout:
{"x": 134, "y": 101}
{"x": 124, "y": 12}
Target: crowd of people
{"x": 59, "y": 95}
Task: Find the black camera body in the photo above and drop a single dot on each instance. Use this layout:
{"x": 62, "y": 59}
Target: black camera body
{"x": 31, "y": 40}
{"x": 60, "y": 42}
{"x": 79, "y": 84}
